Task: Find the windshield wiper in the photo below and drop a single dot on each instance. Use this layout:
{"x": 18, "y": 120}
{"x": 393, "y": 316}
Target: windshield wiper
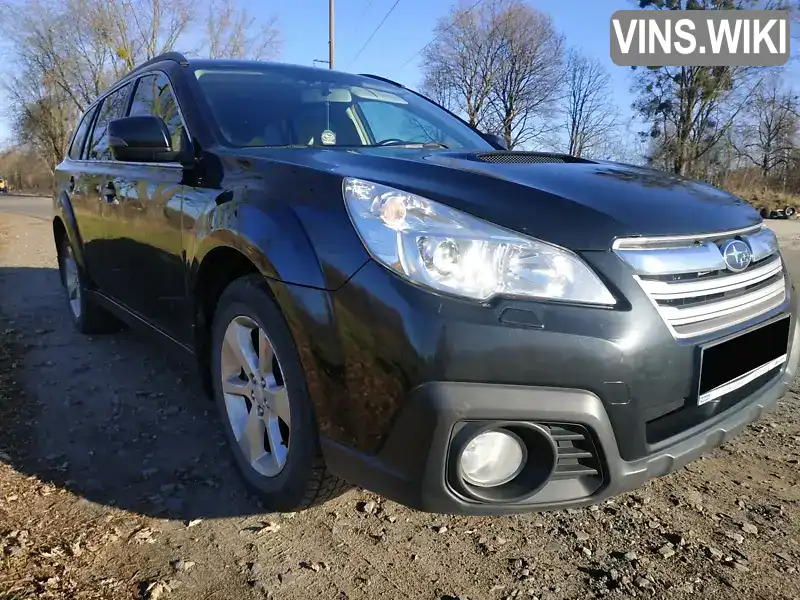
{"x": 399, "y": 144}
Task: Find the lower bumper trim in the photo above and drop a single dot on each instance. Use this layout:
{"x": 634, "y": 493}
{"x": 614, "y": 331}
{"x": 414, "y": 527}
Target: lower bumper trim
{"x": 411, "y": 467}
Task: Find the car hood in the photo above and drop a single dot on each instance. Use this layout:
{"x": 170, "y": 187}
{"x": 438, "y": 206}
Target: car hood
{"x": 579, "y": 204}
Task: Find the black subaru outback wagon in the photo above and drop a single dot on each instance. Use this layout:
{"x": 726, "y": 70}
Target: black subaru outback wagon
{"x": 377, "y": 293}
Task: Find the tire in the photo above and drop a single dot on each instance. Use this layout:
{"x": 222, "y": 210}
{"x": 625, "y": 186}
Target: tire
{"x": 764, "y": 212}
{"x": 291, "y": 475}
{"x": 790, "y": 211}
{"x": 88, "y": 318}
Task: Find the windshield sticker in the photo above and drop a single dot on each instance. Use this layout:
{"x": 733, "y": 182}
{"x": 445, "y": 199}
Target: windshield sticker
{"x": 328, "y": 138}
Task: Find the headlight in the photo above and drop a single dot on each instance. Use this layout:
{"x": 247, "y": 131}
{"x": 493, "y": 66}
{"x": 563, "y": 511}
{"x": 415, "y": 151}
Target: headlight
{"x": 450, "y": 251}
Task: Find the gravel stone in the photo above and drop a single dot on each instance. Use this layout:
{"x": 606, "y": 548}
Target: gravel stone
{"x": 736, "y": 537}
{"x": 582, "y": 536}
{"x": 643, "y": 583}
{"x": 750, "y": 528}
{"x": 666, "y": 551}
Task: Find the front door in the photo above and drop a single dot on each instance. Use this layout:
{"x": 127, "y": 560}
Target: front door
{"x": 143, "y": 228}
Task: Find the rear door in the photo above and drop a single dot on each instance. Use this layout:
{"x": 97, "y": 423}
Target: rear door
{"x": 98, "y": 184}
{"x": 71, "y": 178}
{"x": 143, "y": 227}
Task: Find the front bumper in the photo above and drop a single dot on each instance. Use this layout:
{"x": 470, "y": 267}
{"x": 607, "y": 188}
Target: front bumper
{"x": 412, "y": 466}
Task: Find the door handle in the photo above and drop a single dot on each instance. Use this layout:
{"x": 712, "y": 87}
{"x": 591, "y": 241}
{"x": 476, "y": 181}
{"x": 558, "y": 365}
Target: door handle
{"x": 71, "y": 185}
{"x": 109, "y": 193}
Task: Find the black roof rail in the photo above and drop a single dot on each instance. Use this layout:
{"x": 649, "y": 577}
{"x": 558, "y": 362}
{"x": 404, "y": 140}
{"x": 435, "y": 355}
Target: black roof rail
{"x": 384, "y": 79}
{"x": 174, "y": 56}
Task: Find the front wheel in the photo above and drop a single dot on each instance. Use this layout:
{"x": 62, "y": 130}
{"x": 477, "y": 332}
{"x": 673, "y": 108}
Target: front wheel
{"x": 260, "y": 390}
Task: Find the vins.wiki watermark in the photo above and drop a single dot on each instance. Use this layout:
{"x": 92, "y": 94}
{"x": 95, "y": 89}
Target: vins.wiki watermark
{"x": 700, "y": 38}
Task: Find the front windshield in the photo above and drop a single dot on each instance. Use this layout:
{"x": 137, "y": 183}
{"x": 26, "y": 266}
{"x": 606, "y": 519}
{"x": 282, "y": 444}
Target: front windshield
{"x": 285, "y": 107}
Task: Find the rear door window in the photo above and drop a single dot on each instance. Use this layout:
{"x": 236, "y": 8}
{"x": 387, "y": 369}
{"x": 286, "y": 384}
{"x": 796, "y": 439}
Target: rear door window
{"x": 75, "y": 150}
{"x": 113, "y": 107}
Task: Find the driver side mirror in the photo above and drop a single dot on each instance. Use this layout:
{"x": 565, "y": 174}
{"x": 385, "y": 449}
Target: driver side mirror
{"x": 495, "y": 140}
{"x": 143, "y": 138}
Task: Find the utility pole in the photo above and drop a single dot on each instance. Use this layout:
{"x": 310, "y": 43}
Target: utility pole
{"x": 330, "y": 33}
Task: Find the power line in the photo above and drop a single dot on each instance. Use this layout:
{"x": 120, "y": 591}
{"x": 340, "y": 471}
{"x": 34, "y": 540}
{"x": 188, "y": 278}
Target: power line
{"x": 369, "y": 39}
{"x": 364, "y": 14}
{"x": 418, "y": 52}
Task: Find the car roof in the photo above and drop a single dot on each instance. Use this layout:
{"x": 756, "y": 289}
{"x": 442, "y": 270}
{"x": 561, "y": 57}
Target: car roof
{"x": 286, "y": 69}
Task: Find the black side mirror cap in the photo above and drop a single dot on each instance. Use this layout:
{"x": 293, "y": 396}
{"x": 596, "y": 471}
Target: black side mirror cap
{"x": 495, "y": 140}
{"x": 143, "y": 138}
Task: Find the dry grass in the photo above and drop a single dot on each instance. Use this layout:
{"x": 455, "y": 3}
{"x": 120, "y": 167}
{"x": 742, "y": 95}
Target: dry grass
{"x": 762, "y": 192}
{"x": 768, "y": 199}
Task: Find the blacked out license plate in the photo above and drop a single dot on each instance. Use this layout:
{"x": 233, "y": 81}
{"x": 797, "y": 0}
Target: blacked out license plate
{"x": 732, "y": 364}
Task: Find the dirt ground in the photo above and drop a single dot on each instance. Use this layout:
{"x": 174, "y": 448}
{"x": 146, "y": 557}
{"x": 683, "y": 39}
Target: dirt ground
{"x": 115, "y": 483}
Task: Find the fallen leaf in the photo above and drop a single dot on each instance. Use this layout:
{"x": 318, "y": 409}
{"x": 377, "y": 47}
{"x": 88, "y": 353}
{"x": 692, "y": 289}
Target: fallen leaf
{"x": 156, "y": 589}
{"x": 144, "y": 536}
{"x": 269, "y": 527}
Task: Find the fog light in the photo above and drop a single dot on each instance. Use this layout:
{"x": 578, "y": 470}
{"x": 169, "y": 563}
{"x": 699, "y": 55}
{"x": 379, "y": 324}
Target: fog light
{"x": 492, "y": 458}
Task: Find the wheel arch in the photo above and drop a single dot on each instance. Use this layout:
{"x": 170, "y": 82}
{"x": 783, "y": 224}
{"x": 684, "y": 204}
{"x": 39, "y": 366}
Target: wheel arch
{"x": 308, "y": 313}
{"x": 220, "y": 265}
{"x": 250, "y": 241}
{"x": 65, "y": 223}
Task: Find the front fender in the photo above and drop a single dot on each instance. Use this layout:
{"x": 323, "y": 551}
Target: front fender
{"x": 276, "y": 243}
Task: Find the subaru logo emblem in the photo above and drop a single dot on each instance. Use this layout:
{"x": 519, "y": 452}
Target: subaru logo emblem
{"x": 737, "y": 255}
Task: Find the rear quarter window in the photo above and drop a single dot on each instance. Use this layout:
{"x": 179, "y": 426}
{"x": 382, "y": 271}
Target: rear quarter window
{"x": 80, "y": 135}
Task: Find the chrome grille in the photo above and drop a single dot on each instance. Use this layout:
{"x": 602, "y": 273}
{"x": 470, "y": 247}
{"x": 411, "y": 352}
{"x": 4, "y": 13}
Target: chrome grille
{"x": 690, "y": 284}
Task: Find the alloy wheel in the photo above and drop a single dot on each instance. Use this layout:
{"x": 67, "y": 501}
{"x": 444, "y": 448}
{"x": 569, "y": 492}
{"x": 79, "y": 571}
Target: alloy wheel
{"x": 256, "y": 398}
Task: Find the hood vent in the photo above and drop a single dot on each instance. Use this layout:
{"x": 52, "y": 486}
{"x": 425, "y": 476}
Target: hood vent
{"x": 524, "y": 158}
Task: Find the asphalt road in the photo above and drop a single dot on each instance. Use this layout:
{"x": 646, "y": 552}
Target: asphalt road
{"x": 32, "y": 206}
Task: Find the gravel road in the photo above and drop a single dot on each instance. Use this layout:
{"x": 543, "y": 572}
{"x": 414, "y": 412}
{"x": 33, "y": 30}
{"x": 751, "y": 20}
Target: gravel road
{"x": 115, "y": 483}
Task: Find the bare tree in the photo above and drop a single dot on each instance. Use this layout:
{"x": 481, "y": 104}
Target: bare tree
{"x": 232, "y": 33}
{"x": 48, "y": 38}
{"x": 499, "y": 65}
{"x": 24, "y": 169}
{"x": 770, "y": 132}
{"x": 528, "y": 75}
{"x": 690, "y": 109}
{"x": 42, "y": 105}
{"x": 460, "y": 65}
{"x": 590, "y": 116}
{"x": 138, "y": 30}
{"x": 66, "y": 52}
{"x": 42, "y": 115}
